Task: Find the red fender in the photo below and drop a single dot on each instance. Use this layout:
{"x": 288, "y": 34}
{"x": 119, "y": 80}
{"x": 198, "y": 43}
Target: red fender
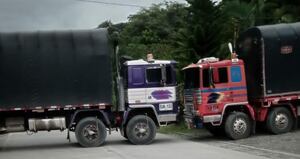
{"x": 251, "y": 111}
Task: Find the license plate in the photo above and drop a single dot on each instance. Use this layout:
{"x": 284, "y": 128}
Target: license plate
{"x": 166, "y": 106}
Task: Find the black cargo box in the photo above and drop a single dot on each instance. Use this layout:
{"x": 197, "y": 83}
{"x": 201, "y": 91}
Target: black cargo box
{"x": 272, "y": 59}
{"x": 55, "y": 68}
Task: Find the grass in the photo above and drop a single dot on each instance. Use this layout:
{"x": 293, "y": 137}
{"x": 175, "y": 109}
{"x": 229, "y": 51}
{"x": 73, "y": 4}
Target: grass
{"x": 173, "y": 128}
{"x": 182, "y": 129}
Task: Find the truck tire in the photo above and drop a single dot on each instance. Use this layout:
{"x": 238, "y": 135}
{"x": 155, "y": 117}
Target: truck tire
{"x": 214, "y": 130}
{"x": 90, "y": 132}
{"x": 141, "y": 130}
{"x": 279, "y": 120}
{"x": 237, "y": 125}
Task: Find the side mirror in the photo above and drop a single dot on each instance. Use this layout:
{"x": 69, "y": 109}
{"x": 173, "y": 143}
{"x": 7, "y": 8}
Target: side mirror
{"x": 211, "y": 81}
{"x": 163, "y": 75}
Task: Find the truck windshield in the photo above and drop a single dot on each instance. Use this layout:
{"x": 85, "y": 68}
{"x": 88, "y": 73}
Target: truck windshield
{"x": 192, "y": 78}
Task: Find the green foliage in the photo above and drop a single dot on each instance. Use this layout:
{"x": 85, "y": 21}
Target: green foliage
{"x": 113, "y": 29}
{"x": 286, "y": 11}
{"x": 152, "y": 31}
{"x": 200, "y": 28}
{"x": 238, "y": 15}
{"x": 205, "y": 23}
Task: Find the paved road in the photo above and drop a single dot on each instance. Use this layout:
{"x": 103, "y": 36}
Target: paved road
{"x": 54, "y": 145}
{"x": 284, "y": 146}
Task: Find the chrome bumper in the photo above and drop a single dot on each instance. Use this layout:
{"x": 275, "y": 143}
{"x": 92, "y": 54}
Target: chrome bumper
{"x": 167, "y": 117}
{"x": 212, "y": 118}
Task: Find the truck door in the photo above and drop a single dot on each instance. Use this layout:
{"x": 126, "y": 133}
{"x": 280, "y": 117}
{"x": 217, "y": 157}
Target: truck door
{"x": 216, "y": 90}
{"x": 220, "y": 80}
{"x": 136, "y": 85}
{"x": 161, "y": 87}
{"x": 238, "y": 91}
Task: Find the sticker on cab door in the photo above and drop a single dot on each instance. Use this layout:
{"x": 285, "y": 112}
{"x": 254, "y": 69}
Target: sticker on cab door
{"x": 161, "y": 94}
{"x": 215, "y": 97}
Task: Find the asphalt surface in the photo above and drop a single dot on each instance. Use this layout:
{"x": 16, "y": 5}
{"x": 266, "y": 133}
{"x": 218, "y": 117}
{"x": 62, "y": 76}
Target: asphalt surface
{"x": 54, "y": 145}
{"x": 283, "y": 146}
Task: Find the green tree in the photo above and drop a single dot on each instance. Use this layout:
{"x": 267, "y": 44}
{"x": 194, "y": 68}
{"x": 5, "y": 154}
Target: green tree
{"x": 154, "y": 30}
{"x": 239, "y": 15}
{"x": 205, "y": 23}
{"x": 275, "y": 11}
{"x": 113, "y": 30}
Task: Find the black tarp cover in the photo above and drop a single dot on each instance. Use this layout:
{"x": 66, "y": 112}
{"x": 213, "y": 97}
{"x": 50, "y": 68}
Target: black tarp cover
{"x": 55, "y": 68}
{"x": 272, "y": 59}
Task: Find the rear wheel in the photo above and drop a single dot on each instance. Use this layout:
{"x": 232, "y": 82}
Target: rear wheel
{"x": 90, "y": 132}
{"x": 237, "y": 125}
{"x": 279, "y": 120}
{"x": 141, "y": 130}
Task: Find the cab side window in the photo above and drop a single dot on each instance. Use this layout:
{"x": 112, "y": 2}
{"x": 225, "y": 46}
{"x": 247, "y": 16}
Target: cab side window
{"x": 137, "y": 76}
{"x": 153, "y": 75}
{"x": 169, "y": 75}
{"x": 205, "y": 77}
{"x": 220, "y": 75}
{"x": 236, "y": 75}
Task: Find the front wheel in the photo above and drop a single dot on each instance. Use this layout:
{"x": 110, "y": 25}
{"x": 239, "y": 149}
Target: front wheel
{"x": 90, "y": 132}
{"x": 141, "y": 130}
{"x": 237, "y": 125}
{"x": 279, "y": 120}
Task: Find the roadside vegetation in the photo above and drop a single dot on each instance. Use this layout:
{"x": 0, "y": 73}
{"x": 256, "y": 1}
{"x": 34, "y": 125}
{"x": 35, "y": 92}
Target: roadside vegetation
{"x": 181, "y": 129}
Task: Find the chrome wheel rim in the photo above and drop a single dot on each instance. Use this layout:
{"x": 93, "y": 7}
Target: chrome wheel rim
{"x": 141, "y": 130}
{"x": 90, "y": 132}
{"x": 281, "y": 121}
{"x": 239, "y": 126}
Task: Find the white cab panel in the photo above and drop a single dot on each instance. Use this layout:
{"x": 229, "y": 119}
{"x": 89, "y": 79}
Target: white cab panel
{"x": 152, "y": 95}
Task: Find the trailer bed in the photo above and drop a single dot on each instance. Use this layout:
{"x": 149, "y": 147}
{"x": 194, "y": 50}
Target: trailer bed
{"x": 272, "y": 60}
{"x": 55, "y": 68}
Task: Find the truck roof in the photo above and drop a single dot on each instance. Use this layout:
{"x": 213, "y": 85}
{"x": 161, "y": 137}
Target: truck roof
{"x": 216, "y": 64}
{"x": 154, "y": 62}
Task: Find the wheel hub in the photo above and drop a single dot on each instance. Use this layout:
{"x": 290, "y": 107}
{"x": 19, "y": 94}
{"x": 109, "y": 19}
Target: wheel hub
{"x": 239, "y": 126}
{"x": 90, "y": 132}
{"x": 281, "y": 121}
{"x": 141, "y": 130}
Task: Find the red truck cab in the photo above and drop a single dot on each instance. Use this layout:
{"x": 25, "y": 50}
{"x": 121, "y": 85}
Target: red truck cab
{"x": 213, "y": 91}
